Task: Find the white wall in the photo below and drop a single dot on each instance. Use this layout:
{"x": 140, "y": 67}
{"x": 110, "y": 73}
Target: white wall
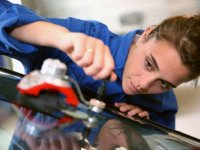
{"x": 188, "y": 116}
{"x": 15, "y": 1}
{"x": 109, "y": 11}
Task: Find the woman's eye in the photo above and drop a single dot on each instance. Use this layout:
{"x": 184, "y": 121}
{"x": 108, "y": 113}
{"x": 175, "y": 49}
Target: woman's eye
{"x": 148, "y": 65}
{"x": 164, "y": 84}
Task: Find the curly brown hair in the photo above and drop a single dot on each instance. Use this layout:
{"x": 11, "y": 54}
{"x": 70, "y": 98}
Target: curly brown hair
{"x": 183, "y": 32}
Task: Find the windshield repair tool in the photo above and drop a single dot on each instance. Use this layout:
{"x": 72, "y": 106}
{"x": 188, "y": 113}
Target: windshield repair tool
{"x": 96, "y": 106}
{"x": 50, "y": 90}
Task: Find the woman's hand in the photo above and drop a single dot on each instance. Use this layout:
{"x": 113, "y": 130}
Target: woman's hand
{"x": 132, "y": 110}
{"x": 89, "y": 53}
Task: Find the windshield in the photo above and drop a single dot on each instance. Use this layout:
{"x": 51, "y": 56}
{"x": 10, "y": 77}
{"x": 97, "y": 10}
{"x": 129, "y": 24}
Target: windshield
{"x": 29, "y": 122}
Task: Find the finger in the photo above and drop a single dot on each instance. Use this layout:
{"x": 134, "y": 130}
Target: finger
{"x": 108, "y": 67}
{"x": 126, "y": 108}
{"x": 119, "y": 104}
{"x": 144, "y": 114}
{"x": 98, "y": 60}
{"x": 134, "y": 111}
{"x": 88, "y": 56}
{"x": 79, "y": 45}
{"x": 113, "y": 77}
{"x": 87, "y": 59}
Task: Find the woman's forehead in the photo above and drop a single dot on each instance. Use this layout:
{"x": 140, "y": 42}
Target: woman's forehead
{"x": 168, "y": 61}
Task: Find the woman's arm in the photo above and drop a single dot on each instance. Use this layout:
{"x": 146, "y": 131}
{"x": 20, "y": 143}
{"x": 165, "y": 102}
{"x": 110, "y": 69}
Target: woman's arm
{"x": 88, "y": 52}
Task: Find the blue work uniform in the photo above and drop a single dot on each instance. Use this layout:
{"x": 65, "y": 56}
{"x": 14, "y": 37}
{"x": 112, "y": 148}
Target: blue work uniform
{"x": 162, "y": 107}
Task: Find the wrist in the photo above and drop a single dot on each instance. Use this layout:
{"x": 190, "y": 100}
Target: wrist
{"x": 62, "y": 41}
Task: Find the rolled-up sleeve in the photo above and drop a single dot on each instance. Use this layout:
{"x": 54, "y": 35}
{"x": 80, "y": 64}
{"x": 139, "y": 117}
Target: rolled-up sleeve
{"x": 13, "y": 15}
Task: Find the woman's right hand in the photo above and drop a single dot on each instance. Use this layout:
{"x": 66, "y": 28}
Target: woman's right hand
{"x": 89, "y": 53}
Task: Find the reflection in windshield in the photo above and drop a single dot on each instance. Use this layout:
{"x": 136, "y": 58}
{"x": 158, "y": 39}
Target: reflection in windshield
{"x": 24, "y": 129}
{"x": 115, "y": 133}
{"x": 112, "y": 133}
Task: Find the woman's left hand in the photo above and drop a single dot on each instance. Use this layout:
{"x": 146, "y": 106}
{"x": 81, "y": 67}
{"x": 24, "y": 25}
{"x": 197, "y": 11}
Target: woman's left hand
{"x": 132, "y": 110}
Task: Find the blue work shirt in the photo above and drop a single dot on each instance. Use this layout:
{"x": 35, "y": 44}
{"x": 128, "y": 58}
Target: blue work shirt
{"x": 11, "y": 15}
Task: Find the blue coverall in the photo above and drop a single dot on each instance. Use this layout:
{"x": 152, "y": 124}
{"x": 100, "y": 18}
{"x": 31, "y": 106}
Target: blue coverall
{"x": 32, "y": 57}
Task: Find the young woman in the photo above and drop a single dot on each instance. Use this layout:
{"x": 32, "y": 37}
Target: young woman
{"x": 140, "y": 62}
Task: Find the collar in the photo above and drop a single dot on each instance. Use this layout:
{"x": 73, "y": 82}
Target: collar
{"x": 120, "y": 52}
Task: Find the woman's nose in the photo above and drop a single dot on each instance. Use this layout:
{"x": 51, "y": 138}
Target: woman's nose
{"x": 146, "y": 83}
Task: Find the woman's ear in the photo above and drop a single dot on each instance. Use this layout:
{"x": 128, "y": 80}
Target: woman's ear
{"x": 144, "y": 35}
{"x": 147, "y": 31}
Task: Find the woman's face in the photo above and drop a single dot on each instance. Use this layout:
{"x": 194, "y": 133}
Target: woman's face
{"x": 153, "y": 67}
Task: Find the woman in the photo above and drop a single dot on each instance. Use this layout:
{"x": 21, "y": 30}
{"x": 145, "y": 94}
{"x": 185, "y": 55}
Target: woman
{"x": 140, "y": 62}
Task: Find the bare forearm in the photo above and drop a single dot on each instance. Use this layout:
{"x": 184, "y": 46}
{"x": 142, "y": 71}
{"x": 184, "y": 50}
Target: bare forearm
{"x": 40, "y": 33}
